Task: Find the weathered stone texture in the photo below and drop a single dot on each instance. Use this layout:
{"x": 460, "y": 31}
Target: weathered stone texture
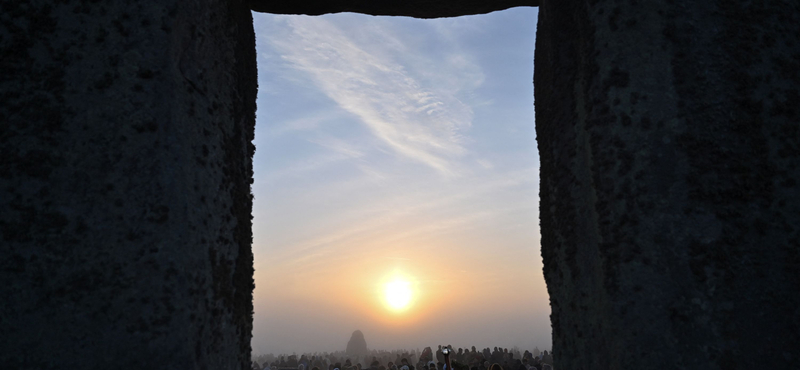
{"x": 669, "y": 136}
{"x": 124, "y": 184}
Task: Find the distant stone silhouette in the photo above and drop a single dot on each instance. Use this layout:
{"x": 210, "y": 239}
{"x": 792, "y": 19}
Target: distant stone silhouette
{"x": 357, "y": 345}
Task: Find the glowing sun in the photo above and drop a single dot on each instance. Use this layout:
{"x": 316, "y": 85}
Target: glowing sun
{"x": 398, "y": 294}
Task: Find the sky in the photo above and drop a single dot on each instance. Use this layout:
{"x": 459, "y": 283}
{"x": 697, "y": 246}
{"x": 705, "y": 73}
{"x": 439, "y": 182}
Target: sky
{"x": 399, "y": 152}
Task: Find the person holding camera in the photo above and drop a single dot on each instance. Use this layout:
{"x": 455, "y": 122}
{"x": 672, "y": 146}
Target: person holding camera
{"x": 446, "y": 352}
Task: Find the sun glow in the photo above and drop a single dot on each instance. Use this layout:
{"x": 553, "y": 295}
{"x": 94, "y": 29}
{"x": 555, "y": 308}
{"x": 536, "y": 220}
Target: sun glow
{"x": 398, "y": 294}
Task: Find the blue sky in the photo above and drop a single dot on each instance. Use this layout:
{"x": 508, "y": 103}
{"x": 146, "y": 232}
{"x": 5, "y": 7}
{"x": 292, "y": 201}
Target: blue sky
{"x": 392, "y": 146}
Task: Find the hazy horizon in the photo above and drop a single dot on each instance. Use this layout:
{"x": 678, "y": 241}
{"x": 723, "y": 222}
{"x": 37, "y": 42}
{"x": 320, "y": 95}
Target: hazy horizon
{"x": 393, "y": 148}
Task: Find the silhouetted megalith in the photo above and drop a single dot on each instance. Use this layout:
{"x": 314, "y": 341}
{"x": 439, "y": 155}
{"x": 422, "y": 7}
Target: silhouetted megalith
{"x": 125, "y": 133}
{"x": 411, "y": 8}
{"x": 357, "y": 345}
{"x": 669, "y": 138}
{"x": 668, "y": 135}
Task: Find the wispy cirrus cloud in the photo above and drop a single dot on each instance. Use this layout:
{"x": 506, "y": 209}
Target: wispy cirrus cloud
{"x": 422, "y": 120}
{"x": 423, "y": 212}
{"x": 386, "y": 145}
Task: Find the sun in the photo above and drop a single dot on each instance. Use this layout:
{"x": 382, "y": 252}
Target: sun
{"x": 398, "y": 294}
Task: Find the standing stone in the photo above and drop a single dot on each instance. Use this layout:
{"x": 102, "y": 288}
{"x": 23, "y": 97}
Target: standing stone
{"x": 357, "y": 345}
{"x": 125, "y": 203}
{"x": 669, "y": 137}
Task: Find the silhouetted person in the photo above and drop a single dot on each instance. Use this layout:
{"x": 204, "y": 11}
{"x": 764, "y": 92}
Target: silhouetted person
{"x": 537, "y": 363}
{"x": 404, "y": 362}
{"x": 546, "y": 359}
{"x": 496, "y": 356}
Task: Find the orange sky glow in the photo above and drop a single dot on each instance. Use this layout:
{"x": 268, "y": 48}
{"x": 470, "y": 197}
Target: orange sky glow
{"x": 395, "y": 148}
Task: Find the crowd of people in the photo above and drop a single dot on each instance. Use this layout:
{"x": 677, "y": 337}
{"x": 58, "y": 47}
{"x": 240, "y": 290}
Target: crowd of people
{"x": 426, "y": 359}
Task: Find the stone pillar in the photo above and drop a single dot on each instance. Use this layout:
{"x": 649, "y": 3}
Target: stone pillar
{"x": 125, "y": 184}
{"x": 669, "y": 136}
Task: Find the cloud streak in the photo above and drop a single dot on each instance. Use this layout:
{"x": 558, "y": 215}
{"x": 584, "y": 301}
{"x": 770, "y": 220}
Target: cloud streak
{"x": 420, "y": 120}
{"x": 388, "y": 146}
{"x": 423, "y": 213}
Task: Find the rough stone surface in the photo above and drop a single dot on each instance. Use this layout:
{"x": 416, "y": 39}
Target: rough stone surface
{"x": 357, "y": 345}
{"x": 125, "y": 184}
{"x": 669, "y": 142}
{"x": 669, "y": 136}
{"x": 411, "y": 8}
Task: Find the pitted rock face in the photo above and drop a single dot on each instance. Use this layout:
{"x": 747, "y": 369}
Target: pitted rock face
{"x": 357, "y": 345}
{"x": 669, "y": 180}
{"x": 670, "y": 167}
{"x": 125, "y": 133}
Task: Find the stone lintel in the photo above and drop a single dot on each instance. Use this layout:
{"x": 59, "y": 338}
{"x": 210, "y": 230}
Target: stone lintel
{"x": 409, "y": 8}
